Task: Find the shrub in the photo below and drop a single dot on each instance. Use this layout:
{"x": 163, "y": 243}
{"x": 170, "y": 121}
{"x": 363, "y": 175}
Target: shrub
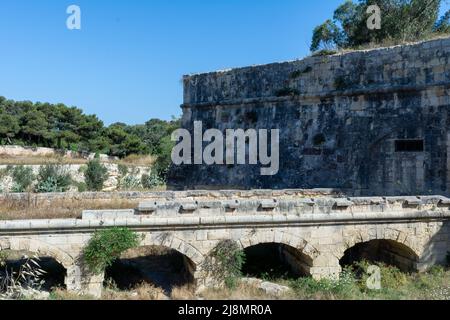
{"x": 150, "y": 181}
{"x": 53, "y": 178}
{"x": 345, "y": 287}
{"x": 6, "y": 171}
{"x": 130, "y": 182}
{"x": 324, "y": 53}
{"x": 108, "y": 245}
{"x": 123, "y": 170}
{"x": 224, "y": 263}
{"x": 95, "y": 175}
{"x": 22, "y": 178}
{"x": 164, "y": 159}
{"x": 81, "y": 187}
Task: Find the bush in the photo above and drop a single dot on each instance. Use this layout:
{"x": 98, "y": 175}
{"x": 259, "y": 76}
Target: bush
{"x": 81, "y": 187}
{"x": 108, "y": 245}
{"x": 225, "y": 262}
{"x": 95, "y": 175}
{"x": 130, "y": 183}
{"x": 6, "y": 172}
{"x": 164, "y": 159}
{"x": 22, "y": 178}
{"x": 123, "y": 170}
{"x": 345, "y": 287}
{"x": 53, "y": 178}
{"x": 151, "y": 181}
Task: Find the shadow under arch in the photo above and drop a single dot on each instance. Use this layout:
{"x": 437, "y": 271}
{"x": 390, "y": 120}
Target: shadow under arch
{"x": 276, "y": 260}
{"x": 386, "y": 251}
{"x": 277, "y": 254}
{"x": 41, "y": 248}
{"x": 162, "y": 260}
{"x": 159, "y": 266}
{"x": 53, "y": 261}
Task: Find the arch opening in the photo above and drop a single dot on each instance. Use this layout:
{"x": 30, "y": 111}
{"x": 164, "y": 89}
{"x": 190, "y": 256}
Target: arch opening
{"x": 156, "y": 266}
{"x": 31, "y": 270}
{"x": 275, "y": 260}
{"x": 389, "y": 252}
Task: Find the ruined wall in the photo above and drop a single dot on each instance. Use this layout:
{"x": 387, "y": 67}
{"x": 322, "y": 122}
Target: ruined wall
{"x": 369, "y": 122}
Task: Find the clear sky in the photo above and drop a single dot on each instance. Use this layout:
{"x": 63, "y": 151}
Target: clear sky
{"x": 127, "y": 61}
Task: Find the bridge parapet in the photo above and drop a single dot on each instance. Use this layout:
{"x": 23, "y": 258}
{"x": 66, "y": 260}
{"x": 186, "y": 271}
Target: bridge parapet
{"x": 291, "y": 205}
{"x": 165, "y": 215}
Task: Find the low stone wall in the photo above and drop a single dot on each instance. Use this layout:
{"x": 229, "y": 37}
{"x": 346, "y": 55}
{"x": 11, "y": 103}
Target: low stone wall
{"x": 46, "y": 199}
{"x": 18, "y": 151}
{"x": 76, "y": 171}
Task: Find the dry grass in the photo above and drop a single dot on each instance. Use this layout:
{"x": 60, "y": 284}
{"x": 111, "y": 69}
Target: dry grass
{"x": 391, "y": 43}
{"x": 11, "y": 209}
{"x": 183, "y": 293}
{"x": 62, "y": 294}
{"x": 242, "y": 292}
{"x": 132, "y": 160}
{"x": 39, "y": 160}
{"x": 143, "y": 291}
{"x": 138, "y": 160}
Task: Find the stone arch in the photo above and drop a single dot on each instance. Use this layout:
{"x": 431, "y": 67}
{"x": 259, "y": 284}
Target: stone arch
{"x": 281, "y": 237}
{"x": 39, "y": 247}
{"x": 169, "y": 240}
{"x": 292, "y": 251}
{"x": 391, "y": 246}
{"x": 371, "y": 234}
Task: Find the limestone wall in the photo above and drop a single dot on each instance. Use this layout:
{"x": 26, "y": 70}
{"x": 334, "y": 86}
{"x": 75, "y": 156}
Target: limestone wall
{"x": 346, "y": 121}
{"x": 76, "y": 171}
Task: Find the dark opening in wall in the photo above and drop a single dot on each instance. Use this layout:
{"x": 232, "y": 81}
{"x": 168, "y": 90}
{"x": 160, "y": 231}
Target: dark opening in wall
{"x": 157, "y": 266}
{"x": 274, "y": 261}
{"x": 29, "y": 270}
{"x": 319, "y": 139}
{"x": 409, "y": 146}
{"x": 389, "y": 252}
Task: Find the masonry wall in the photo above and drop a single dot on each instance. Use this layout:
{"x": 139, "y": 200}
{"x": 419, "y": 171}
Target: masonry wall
{"x": 368, "y": 122}
{"x": 115, "y": 179}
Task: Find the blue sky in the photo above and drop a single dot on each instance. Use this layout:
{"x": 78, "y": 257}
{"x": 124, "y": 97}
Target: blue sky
{"x": 126, "y": 63}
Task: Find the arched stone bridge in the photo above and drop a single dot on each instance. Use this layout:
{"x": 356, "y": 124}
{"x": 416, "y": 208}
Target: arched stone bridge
{"x": 314, "y": 234}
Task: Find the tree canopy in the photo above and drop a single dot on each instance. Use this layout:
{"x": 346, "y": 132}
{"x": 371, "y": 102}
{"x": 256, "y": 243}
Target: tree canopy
{"x": 58, "y": 126}
{"x": 401, "y": 20}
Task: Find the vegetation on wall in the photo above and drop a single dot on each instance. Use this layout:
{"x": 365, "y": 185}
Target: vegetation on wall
{"x": 108, "y": 245}
{"x": 401, "y": 21}
{"x": 224, "y": 263}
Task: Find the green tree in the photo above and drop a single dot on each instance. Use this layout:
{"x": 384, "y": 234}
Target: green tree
{"x": 402, "y": 20}
{"x": 95, "y": 175}
{"x": 35, "y": 126}
{"x": 9, "y": 127}
{"x": 443, "y": 25}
